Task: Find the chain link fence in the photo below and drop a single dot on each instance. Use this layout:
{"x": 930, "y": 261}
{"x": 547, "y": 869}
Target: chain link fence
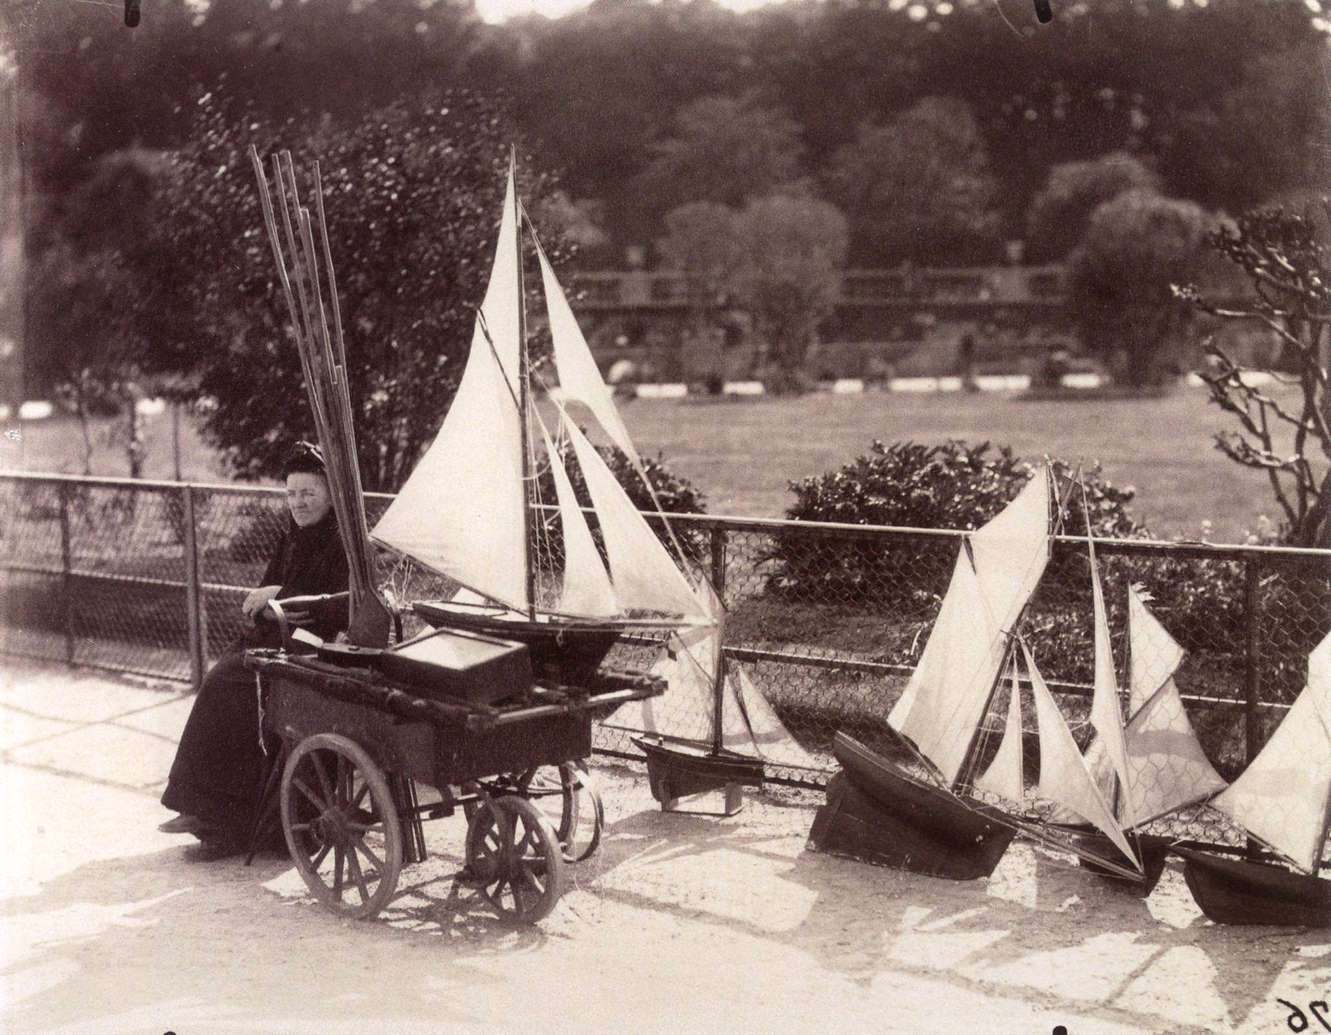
{"x": 826, "y": 622}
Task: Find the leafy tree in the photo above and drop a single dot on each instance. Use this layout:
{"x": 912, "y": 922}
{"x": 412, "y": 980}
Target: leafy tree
{"x": 1135, "y": 247}
{"x": 1285, "y": 258}
{"x": 918, "y": 187}
{"x": 725, "y": 150}
{"x": 1058, "y": 215}
{"x": 788, "y": 279}
{"x": 413, "y": 195}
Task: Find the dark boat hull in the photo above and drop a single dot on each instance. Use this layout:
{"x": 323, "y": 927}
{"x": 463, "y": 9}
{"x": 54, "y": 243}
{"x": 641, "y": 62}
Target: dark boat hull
{"x": 1236, "y": 891}
{"x": 566, "y": 652}
{"x": 1152, "y": 849}
{"x": 678, "y": 770}
{"x": 879, "y": 813}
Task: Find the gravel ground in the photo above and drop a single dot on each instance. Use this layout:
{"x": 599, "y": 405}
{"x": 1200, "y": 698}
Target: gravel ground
{"x": 681, "y": 923}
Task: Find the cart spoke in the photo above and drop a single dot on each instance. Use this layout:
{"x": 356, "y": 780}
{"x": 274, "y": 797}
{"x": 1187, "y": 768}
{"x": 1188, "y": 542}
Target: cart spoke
{"x": 315, "y": 800}
{"x": 354, "y": 865}
{"x": 300, "y": 826}
{"x": 366, "y": 851}
{"x": 318, "y": 859}
{"x": 360, "y": 795}
{"x": 322, "y": 774}
{"x": 337, "y": 872}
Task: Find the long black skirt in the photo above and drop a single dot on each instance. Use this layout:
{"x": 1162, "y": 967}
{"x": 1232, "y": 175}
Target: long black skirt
{"x": 219, "y": 766}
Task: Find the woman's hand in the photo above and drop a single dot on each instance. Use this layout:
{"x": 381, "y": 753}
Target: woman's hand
{"x": 257, "y": 599}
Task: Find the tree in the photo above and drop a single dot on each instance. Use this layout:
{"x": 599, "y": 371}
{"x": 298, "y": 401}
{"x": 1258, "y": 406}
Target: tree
{"x": 725, "y": 150}
{"x": 413, "y": 195}
{"x": 918, "y": 187}
{"x": 1135, "y": 247}
{"x": 792, "y": 249}
{"x": 703, "y": 243}
{"x": 1285, "y": 258}
{"x": 1058, "y": 214}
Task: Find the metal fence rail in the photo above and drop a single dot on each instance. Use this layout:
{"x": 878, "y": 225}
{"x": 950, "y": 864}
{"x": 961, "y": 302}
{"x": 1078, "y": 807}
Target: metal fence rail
{"x": 827, "y": 620}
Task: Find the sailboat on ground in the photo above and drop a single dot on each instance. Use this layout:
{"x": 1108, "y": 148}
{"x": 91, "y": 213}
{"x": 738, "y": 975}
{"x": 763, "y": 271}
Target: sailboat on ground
{"x": 470, "y": 508}
{"x": 929, "y": 818}
{"x": 1283, "y": 800}
{"x": 712, "y": 729}
{"x": 1165, "y": 766}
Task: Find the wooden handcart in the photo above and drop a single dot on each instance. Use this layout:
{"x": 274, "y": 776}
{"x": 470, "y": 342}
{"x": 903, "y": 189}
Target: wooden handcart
{"x": 356, "y": 745}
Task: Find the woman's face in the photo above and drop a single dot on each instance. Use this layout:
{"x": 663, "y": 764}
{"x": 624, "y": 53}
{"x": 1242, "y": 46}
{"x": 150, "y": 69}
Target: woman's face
{"x": 307, "y": 496}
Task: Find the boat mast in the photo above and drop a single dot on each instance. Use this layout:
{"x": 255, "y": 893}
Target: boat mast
{"x": 524, "y": 374}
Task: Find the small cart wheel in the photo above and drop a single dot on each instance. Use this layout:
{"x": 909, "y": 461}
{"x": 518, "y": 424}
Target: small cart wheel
{"x": 589, "y": 819}
{"x": 514, "y": 858}
{"x": 341, "y": 825}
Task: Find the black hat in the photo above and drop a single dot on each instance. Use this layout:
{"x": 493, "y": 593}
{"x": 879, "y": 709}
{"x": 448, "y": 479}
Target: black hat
{"x": 304, "y": 457}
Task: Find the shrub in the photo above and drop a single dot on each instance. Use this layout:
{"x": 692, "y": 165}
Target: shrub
{"x": 910, "y": 485}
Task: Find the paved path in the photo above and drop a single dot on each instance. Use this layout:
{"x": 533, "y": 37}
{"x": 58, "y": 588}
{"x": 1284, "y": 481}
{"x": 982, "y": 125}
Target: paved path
{"x": 680, "y": 924}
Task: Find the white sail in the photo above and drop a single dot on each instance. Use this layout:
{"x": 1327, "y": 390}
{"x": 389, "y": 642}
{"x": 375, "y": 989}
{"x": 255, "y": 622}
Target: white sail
{"x": 586, "y": 590}
{"x": 945, "y": 699}
{"x": 1004, "y": 775}
{"x": 1106, "y": 712}
{"x": 1153, "y": 654}
{"x": 1284, "y": 795}
{"x": 642, "y": 572}
{"x": 579, "y": 378}
{"x": 1064, "y": 777}
{"x": 462, "y": 510}
{"x": 1167, "y": 768}
{"x": 768, "y": 736}
{"x": 1011, "y": 552}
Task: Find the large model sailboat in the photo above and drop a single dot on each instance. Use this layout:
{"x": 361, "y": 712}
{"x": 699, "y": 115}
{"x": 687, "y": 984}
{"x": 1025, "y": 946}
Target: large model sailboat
{"x": 928, "y": 818}
{"x": 1283, "y": 800}
{"x": 470, "y": 508}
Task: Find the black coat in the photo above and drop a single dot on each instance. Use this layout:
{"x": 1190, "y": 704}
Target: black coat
{"x": 307, "y": 562}
{"x": 219, "y": 765}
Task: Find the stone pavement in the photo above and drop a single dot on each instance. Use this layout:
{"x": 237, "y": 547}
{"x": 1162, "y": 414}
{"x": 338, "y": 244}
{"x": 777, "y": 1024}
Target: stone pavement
{"x": 679, "y": 924}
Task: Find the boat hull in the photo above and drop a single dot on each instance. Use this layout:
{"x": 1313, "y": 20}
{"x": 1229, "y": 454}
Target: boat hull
{"x": 1236, "y": 891}
{"x": 879, "y": 813}
{"x": 1152, "y": 849}
{"x": 565, "y": 652}
{"x": 685, "y": 769}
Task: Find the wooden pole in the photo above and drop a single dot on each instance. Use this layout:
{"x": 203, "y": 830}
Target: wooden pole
{"x": 524, "y": 374}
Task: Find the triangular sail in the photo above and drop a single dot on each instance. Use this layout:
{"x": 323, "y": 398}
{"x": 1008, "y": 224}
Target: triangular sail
{"x": 643, "y": 574}
{"x": 1004, "y": 775}
{"x": 462, "y": 510}
{"x": 770, "y": 739}
{"x": 1284, "y": 795}
{"x": 945, "y": 699}
{"x": 1106, "y": 712}
{"x": 1153, "y": 655}
{"x": 579, "y": 378}
{"x": 586, "y": 590}
{"x": 1064, "y": 777}
{"x": 1167, "y": 768}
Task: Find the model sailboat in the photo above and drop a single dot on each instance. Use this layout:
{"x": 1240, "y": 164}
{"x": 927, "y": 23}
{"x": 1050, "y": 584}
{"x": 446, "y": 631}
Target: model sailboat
{"x": 1166, "y": 768}
{"x": 468, "y": 510}
{"x": 1283, "y": 799}
{"x": 712, "y": 729}
{"x": 930, "y": 819}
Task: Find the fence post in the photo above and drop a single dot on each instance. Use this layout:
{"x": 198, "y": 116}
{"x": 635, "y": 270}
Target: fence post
{"x": 717, "y": 540}
{"x": 193, "y": 592}
{"x": 1252, "y": 677}
{"x": 66, "y": 573}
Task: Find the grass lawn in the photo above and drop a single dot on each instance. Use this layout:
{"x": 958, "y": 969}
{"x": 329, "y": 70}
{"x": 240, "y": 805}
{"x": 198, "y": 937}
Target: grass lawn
{"x": 742, "y": 453}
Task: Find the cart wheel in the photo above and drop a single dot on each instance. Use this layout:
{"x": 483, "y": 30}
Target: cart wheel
{"x": 583, "y": 834}
{"x": 553, "y": 789}
{"x": 341, "y": 825}
{"x": 515, "y": 860}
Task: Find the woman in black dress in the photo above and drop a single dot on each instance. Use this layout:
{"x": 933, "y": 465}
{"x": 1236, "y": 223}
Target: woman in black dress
{"x": 214, "y": 782}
